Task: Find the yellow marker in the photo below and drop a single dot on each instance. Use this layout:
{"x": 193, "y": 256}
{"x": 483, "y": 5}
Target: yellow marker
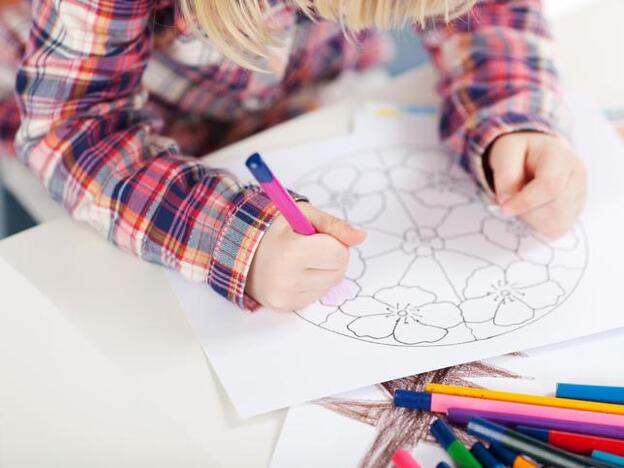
{"x": 523, "y": 398}
{"x": 385, "y": 112}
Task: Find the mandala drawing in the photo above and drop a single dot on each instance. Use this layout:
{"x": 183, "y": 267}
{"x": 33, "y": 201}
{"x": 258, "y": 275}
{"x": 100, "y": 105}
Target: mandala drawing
{"x": 439, "y": 266}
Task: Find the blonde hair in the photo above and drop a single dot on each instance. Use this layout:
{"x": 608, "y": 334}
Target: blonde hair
{"x": 239, "y": 30}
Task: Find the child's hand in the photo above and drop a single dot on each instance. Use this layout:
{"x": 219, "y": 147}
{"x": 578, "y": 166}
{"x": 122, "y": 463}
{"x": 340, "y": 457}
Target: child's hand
{"x": 290, "y": 271}
{"x": 539, "y": 178}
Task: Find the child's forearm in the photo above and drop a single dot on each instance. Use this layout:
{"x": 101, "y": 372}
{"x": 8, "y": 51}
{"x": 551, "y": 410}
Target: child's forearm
{"x": 497, "y": 76}
{"x": 85, "y": 136}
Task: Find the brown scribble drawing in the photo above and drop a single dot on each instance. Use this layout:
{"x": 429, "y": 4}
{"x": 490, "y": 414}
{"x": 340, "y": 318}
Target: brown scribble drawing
{"x": 400, "y": 428}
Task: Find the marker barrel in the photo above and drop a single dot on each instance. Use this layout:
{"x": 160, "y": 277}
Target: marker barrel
{"x": 608, "y": 458}
{"x": 524, "y": 399}
{"x": 440, "y": 403}
{"x": 591, "y": 393}
{"x": 463, "y": 416}
{"x": 279, "y": 196}
{"x": 577, "y": 443}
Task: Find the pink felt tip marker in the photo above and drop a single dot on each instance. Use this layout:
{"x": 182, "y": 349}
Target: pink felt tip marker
{"x": 295, "y": 217}
{"x": 404, "y": 459}
{"x": 279, "y": 196}
{"x": 441, "y": 403}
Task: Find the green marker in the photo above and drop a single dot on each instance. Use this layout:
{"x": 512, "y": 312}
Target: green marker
{"x": 449, "y": 442}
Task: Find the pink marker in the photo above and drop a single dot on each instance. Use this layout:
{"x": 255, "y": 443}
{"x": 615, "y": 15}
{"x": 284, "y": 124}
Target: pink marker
{"x": 295, "y": 217}
{"x": 404, "y": 459}
{"x": 279, "y": 196}
{"x": 440, "y": 403}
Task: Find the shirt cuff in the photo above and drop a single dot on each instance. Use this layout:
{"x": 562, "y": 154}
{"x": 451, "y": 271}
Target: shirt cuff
{"x": 237, "y": 243}
{"x": 481, "y": 138}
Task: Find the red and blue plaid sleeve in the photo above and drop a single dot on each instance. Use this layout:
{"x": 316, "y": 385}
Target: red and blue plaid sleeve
{"x": 85, "y": 133}
{"x": 497, "y": 76}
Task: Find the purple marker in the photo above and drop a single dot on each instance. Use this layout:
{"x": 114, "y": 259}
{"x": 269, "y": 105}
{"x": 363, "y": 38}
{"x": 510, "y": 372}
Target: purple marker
{"x": 463, "y": 416}
{"x": 279, "y": 196}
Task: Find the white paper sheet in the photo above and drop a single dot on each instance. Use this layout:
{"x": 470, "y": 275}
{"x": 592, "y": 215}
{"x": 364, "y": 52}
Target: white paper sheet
{"x": 441, "y": 280}
{"x": 341, "y": 432}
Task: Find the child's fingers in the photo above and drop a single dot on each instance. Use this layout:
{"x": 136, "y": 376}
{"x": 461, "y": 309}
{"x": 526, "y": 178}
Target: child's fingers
{"x": 552, "y": 175}
{"x": 321, "y": 280}
{"x": 323, "y": 252}
{"x": 556, "y": 218}
{"x": 335, "y": 227}
{"x": 507, "y": 160}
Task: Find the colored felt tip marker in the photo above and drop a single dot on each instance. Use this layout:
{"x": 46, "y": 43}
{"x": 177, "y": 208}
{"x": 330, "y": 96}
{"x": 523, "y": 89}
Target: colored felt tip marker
{"x": 463, "y": 416}
{"x": 577, "y": 443}
{"x": 279, "y": 196}
{"x": 297, "y": 220}
{"x": 608, "y": 458}
{"x": 509, "y": 458}
{"x": 449, "y": 442}
{"x": 520, "y": 443}
{"x": 443, "y": 465}
{"x": 422, "y": 401}
{"x": 553, "y": 402}
{"x": 484, "y": 457}
{"x": 591, "y": 393}
{"x": 404, "y": 459}
{"x": 440, "y": 403}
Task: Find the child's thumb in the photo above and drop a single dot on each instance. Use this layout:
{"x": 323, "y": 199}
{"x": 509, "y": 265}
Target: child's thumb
{"x": 337, "y": 228}
{"x": 507, "y": 160}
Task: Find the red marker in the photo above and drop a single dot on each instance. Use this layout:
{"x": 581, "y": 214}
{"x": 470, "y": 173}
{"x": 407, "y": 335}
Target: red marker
{"x": 577, "y": 443}
{"x": 404, "y": 459}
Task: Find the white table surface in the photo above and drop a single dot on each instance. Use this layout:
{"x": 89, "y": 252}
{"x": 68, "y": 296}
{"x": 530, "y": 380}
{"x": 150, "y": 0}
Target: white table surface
{"x": 114, "y": 376}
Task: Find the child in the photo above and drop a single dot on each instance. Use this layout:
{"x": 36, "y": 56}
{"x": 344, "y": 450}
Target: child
{"x": 106, "y": 87}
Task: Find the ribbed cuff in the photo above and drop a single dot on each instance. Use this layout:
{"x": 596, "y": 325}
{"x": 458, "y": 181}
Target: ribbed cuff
{"x": 237, "y": 244}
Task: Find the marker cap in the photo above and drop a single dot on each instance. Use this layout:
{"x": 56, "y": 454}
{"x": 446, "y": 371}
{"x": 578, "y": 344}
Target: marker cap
{"x": 404, "y": 459}
{"x": 442, "y": 433}
{"x": 485, "y": 457}
{"x": 412, "y": 400}
{"x": 504, "y": 455}
{"x": 535, "y": 432}
{"x": 258, "y": 168}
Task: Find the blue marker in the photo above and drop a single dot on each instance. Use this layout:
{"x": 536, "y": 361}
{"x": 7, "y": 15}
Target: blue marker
{"x": 455, "y": 449}
{"x": 413, "y": 109}
{"x": 413, "y": 400}
{"x": 608, "y": 458}
{"x": 443, "y": 465}
{"x": 485, "y": 457}
{"x": 535, "y": 432}
{"x": 591, "y": 393}
{"x": 506, "y": 456}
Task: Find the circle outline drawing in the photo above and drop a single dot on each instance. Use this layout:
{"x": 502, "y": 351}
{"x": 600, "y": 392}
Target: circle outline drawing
{"x": 425, "y": 241}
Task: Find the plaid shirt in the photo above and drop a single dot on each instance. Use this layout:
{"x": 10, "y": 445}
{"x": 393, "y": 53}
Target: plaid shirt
{"x": 98, "y": 80}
